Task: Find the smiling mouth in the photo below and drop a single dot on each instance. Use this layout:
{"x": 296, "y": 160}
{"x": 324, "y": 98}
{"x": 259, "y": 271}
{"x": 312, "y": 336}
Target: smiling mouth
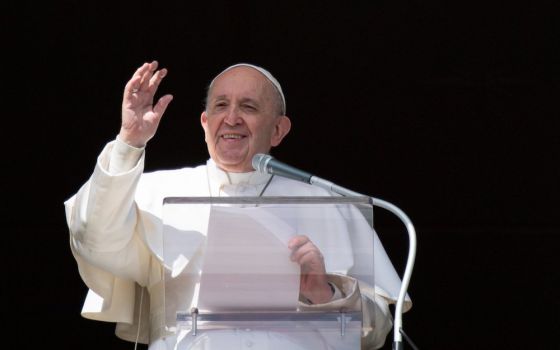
{"x": 232, "y": 136}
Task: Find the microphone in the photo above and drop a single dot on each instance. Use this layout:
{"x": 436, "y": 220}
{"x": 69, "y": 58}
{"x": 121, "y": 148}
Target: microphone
{"x": 266, "y": 164}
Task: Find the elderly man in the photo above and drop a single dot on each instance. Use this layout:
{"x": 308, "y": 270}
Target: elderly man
{"x": 115, "y": 217}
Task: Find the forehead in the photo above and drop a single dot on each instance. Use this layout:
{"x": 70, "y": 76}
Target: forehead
{"x": 240, "y": 81}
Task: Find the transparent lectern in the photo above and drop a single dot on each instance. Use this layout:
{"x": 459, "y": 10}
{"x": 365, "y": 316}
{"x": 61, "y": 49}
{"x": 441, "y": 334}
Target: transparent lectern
{"x": 228, "y": 276}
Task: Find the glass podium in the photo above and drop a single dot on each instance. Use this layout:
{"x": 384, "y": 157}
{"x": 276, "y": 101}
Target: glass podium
{"x": 228, "y": 274}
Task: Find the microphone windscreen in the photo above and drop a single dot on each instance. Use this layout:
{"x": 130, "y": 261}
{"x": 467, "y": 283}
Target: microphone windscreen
{"x": 259, "y": 162}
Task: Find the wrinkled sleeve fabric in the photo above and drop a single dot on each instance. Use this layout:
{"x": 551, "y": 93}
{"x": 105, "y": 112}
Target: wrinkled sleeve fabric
{"x": 103, "y": 222}
{"x": 354, "y": 295}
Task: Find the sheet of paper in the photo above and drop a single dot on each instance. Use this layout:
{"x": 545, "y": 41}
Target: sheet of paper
{"x": 247, "y": 263}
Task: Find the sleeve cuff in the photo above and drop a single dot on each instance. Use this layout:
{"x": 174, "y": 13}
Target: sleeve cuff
{"x": 123, "y": 157}
{"x": 347, "y": 298}
{"x": 337, "y": 293}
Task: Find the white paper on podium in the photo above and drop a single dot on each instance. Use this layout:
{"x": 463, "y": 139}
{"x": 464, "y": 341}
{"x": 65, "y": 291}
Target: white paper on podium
{"x": 247, "y": 264}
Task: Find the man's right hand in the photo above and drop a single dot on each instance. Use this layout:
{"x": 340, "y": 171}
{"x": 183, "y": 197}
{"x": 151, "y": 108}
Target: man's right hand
{"x": 140, "y": 117}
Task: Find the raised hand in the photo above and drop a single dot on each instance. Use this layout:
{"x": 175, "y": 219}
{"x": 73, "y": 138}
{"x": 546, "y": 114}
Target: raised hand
{"x": 140, "y": 117}
{"x": 313, "y": 280}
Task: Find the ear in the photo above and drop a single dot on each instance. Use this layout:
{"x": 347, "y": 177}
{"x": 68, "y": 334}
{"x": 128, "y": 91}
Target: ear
{"x": 204, "y": 120}
{"x": 204, "y": 123}
{"x": 281, "y": 129}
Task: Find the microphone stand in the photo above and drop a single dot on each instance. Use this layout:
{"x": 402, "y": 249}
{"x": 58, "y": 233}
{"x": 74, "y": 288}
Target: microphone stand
{"x": 267, "y": 164}
{"x": 397, "y": 330}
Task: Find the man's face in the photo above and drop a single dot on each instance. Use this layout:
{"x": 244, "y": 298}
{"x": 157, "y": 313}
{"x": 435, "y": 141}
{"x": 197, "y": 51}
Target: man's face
{"x": 241, "y": 119}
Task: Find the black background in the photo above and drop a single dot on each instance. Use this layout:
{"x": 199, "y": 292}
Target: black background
{"x": 448, "y": 109}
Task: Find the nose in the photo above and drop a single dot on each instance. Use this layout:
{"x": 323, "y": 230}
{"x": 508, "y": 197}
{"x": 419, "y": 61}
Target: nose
{"x": 233, "y": 117}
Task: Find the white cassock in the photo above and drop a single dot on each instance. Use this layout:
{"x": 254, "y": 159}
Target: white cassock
{"x": 115, "y": 223}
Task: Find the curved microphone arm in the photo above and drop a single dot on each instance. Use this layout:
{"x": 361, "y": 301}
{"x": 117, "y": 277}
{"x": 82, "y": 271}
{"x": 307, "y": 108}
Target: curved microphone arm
{"x": 397, "y": 336}
{"x": 265, "y": 163}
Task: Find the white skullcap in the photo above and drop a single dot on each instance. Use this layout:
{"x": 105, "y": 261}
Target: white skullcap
{"x": 263, "y": 72}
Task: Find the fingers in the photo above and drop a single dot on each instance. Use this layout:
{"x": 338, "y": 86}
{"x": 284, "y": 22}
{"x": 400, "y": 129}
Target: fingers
{"x": 145, "y": 79}
{"x": 134, "y": 83}
{"x": 313, "y": 280}
{"x": 147, "y": 73}
{"x": 132, "y": 86}
{"x": 311, "y": 263}
{"x": 297, "y": 241}
{"x": 156, "y": 79}
{"x": 306, "y": 254}
{"x": 162, "y": 104}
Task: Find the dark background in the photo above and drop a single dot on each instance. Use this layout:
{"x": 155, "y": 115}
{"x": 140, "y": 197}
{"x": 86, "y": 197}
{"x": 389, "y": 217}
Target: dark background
{"x": 448, "y": 109}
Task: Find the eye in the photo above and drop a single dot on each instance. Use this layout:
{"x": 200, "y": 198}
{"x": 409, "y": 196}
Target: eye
{"x": 220, "y": 104}
{"x": 249, "y": 107}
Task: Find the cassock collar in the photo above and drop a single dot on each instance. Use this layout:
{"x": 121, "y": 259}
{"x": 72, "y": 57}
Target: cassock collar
{"x": 220, "y": 180}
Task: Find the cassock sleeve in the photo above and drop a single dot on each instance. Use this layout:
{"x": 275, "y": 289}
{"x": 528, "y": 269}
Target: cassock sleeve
{"x": 103, "y": 222}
